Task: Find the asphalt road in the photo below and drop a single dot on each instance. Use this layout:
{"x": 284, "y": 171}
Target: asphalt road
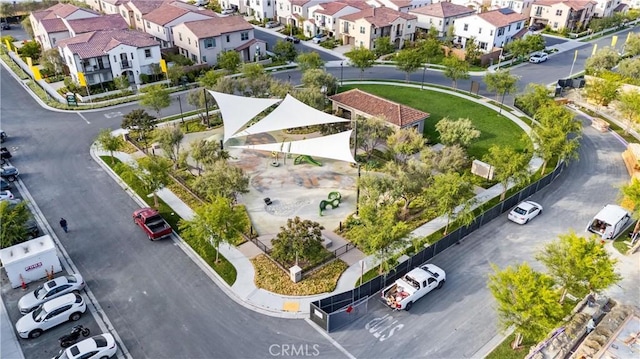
{"x": 458, "y": 320}
{"x": 160, "y": 302}
{"x": 271, "y": 39}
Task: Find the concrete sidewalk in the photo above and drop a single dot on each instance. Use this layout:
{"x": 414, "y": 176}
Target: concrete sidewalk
{"x": 244, "y": 291}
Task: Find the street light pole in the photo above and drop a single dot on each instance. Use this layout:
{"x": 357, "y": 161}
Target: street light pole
{"x": 358, "y": 193}
{"x": 341, "y": 68}
{"x": 424, "y": 70}
{"x": 206, "y": 105}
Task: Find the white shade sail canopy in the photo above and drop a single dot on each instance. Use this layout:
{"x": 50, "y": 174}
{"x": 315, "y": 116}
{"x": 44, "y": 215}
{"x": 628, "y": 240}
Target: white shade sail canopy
{"x": 291, "y": 113}
{"x": 236, "y": 111}
{"x": 335, "y": 147}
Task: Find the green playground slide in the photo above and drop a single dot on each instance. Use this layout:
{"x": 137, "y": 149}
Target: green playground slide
{"x": 308, "y": 159}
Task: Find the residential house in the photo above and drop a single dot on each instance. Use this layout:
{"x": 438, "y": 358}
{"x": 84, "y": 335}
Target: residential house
{"x": 136, "y": 9}
{"x": 399, "y": 5}
{"x": 103, "y": 55}
{"x": 440, "y": 16}
{"x": 323, "y": 18}
{"x": 563, "y": 14}
{"x": 160, "y": 21}
{"x": 633, "y": 4}
{"x": 520, "y": 6}
{"x": 606, "y": 8}
{"x": 203, "y": 40}
{"x": 363, "y": 27}
{"x": 491, "y": 29}
{"x": 477, "y": 5}
{"x": 111, "y": 6}
{"x": 48, "y": 25}
{"x": 294, "y": 12}
{"x": 357, "y": 103}
{"x": 260, "y": 9}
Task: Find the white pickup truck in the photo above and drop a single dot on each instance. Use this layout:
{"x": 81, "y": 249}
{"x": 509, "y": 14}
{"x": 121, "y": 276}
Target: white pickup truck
{"x": 413, "y": 286}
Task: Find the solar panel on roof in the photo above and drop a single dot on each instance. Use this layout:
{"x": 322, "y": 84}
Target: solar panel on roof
{"x": 506, "y": 11}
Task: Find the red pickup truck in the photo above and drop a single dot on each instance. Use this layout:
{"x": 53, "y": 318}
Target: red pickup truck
{"x": 152, "y": 223}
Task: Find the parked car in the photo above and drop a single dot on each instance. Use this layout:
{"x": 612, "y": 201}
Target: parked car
{"x": 4, "y": 154}
{"x": 524, "y": 212}
{"x": 99, "y": 346}
{"x": 319, "y": 38}
{"x": 538, "y": 57}
{"x": 50, "y": 314}
{"x": 6, "y": 26}
{"x": 228, "y": 11}
{"x": 6, "y": 195}
{"x": 152, "y": 223}
{"x": 293, "y": 39}
{"x": 9, "y": 173}
{"x": 52, "y": 289}
{"x": 272, "y": 24}
{"x": 5, "y": 185}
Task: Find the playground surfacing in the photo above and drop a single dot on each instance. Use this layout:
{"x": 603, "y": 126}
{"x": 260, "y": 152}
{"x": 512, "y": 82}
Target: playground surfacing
{"x": 294, "y": 190}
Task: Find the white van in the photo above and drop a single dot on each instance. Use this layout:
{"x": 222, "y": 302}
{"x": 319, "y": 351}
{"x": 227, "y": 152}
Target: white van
{"x": 609, "y": 222}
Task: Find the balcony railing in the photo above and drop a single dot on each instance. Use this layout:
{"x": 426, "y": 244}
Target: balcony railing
{"x": 125, "y": 64}
{"x": 95, "y": 68}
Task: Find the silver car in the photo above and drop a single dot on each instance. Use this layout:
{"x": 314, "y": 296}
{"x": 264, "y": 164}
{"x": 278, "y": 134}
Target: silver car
{"x": 49, "y": 290}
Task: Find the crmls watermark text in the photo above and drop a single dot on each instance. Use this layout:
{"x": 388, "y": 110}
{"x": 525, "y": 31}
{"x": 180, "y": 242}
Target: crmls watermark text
{"x": 294, "y": 350}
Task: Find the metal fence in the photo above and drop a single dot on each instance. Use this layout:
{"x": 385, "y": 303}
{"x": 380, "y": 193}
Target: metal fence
{"x": 321, "y": 311}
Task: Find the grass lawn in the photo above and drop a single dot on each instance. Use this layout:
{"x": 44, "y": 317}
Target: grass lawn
{"x": 495, "y": 129}
{"x": 225, "y": 269}
{"x": 504, "y": 351}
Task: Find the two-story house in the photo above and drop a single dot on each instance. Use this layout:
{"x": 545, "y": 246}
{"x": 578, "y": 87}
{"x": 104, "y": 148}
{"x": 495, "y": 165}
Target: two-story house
{"x": 136, "y": 9}
{"x": 160, "y": 21}
{"x": 491, "y": 29}
{"x": 111, "y": 6}
{"x": 203, "y": 40}
{"x": 48, "y": 25}
{"x": 563, "y": 14}
{"x": 363, "y": 27}
{"x": 294, "y": 12}
{"x": 606, "y": 8}
{"x": 399, "y": 5}
{"x": 440, "y": 16}
{"x": 260, "y": 9}
{"x": 520, "y": 6}
{"x": 324, "y": 17}
{"x": 103, "y": 55}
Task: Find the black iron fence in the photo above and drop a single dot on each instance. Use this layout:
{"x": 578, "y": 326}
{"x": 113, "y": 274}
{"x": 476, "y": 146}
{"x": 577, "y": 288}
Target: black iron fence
{"x": 322, "y": 310}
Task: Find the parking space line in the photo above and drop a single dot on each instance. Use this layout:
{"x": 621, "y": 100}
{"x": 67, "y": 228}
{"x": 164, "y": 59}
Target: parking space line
{"x": 84, "y": 118}
{"x": 94, "y": 306}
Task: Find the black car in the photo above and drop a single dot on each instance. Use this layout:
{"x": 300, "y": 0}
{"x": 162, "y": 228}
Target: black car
{"x": 9, "y": 173}
{"x": 6, "y": 26}
{"x": 295, "y": 40}
{"x": 5, "y": 185}
{"x": 4, "y": 154}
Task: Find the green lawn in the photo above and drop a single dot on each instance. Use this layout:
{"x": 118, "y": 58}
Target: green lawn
{"x": 494, "y": 128}
{"x": 504, "y": 351}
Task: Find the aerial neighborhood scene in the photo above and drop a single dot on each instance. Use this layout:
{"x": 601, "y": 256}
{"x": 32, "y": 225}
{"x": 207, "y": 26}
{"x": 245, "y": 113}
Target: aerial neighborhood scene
{"x": 320, "y": 178}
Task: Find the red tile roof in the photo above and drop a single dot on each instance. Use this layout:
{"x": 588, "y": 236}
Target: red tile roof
{"x": 401, "y": 3}
{"x": 248, "y": 44}
{"x": 97, "y": 43}
{"x": 53, "y": 25}
{"x": 193, "y": 8}
{"x": 574, "y": 4}
{"x": 442, "y": 10}
{"x": 299, "y": 2}
{"x": 378, "y": 16}
{"x": 105, "y": 22}
{"x": 498, "y": 19}
{"x": 59, "y": 10}
{"x": 395, "y": 113}
{"x": 145, "y": 6}
{"x": 331, "y": 8}
{"x": 165, "y": 14}
{"x": 217, "y": 26}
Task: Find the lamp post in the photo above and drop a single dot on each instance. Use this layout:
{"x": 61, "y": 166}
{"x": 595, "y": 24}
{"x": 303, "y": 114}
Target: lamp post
{"x": 358, "y": 193}
{"x": 500, "y": 56}
{"x": 424, "y": 70}
{"x": 341, "y": 68}
{"x": 181, "y": 113}
{"x": 206, "y": 104}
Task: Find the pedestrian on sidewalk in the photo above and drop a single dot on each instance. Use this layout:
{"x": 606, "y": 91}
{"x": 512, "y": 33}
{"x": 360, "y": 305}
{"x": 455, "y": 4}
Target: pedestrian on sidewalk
{"x": 63, "y": 224}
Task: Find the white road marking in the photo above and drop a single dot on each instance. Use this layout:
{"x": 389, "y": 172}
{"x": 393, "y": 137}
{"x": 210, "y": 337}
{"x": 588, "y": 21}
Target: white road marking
{"x": 113, "y": 114}
{"x": 84, "y": 118}
{"x": 328, "y": 337}
{"x": 94, "y": 307}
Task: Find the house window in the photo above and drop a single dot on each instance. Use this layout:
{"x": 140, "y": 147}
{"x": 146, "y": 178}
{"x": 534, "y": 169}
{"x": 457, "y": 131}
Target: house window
{"x": 362, "y": 29}
{"x": 194, "y": 58}
{"x": 209, "y": 43}
{"x": 71, "y": 62}
{"x": 158, "y": 28}
{"x": 147, "y": 53}
{"x": 244, "y": 36}
{"x": 123, "y": 14}
{"x": 281, "y": 6}
{"x": 148, "y": 25}
{"x": 490, "y": 32}
{"x": 228, "y": 38}
{"x": 518, "y": 26}
{"x": 479, "y": 30}
{"x": 558, "y": 12}
{"x": 483, "y": 45}
{"x": 132, "y": 56}
{"x": 466, "y": 27}
{"x": 137, "y": 17}
{"x": 204, "y": 59}
{"x": 189, "y": 40}
{"x": 409, "y": 25}
{"x": 115, "y": 59}
{"x": 501, "y": 31}
{"x": 180, "y": 36}
{"x": 555, "y": 25}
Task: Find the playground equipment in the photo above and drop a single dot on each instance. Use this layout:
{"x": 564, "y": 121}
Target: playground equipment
{"x": 334, "y": 201}
{"x": 308, "y": 159}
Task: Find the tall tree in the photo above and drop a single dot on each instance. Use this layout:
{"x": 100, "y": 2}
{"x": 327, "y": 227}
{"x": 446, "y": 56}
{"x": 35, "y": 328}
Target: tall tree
{"x": 319, "y": 79}
{"x": 471, "y": 51}
{"x": 604, "y": 59}
{"x": 404, "y": 143}
{"x": 229, "y": 60}
{"x": 361, "y": 58}
{"x": 52, "y": 61}
{"x": 461, "y": 131}
{"x": 383, "y": 46}
{"x": 285, "y": 50}
{"x": 153, "y": 173}
{"x": 309, "y": 60}
{"x": 451, "y": 158}
{"x": 579, "y": 265}
{"x": 409, "y": 60}
{"x": 502, "y": 82}
{"x": 311, "y": 97}
{"x": 170, "y": 139}
{"x": 371, "y": 134}
{"x": 299, "y": 239}
{"x": 155, "y": 97}
{"x": 629, "y": 106}
{"x": 535, "y": 97}
{"x": 218, "y": 222}
{"x": 201, "y": 99}
{"x": 631, "y": 193}
{"x": 409, "y": 181}
{"x": 452, "y": 196}
{"x": 110, "y": 143}
{"x": 206, "y": 153}
{"x": 526, "y": 300}
{"x": 221, "y": 180}
{"x": 520, "y": 48}
{"x": 26, "y": 25}
{"x": 632, "y": 45}
{"x": 509, "y": 165}
{"x": 14, "y": 217}
{"x": 455, "y": 69}
{"x": 602, "y": 91}
{"x": 556, "y": 134}
{"x": 536, "y": 42}
{"x": 630, "y": 68}
{"x": 431, "y": 49}
{"x": 209, "y": 79}
{"x": 140, "y": 121}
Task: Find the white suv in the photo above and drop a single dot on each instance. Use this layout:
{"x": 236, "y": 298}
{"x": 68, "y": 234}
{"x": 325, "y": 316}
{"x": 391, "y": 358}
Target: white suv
{"x": 48, "y": 315}
{"x": 49, "y": 290}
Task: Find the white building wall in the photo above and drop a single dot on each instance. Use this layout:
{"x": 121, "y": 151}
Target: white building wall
{"x": 604, "y": 8}
{"x": 486, "y": 35}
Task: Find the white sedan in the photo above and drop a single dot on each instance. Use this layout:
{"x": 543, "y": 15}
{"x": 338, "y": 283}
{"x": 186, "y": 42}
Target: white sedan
{"x": 68, "y": 307}
{"x": 538, "y": 57}
{"x": 524, "y": 212}
{"x": 6, "y": 195}
{"x": 100, "y": 346}
{"x": 49, "y": 290}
